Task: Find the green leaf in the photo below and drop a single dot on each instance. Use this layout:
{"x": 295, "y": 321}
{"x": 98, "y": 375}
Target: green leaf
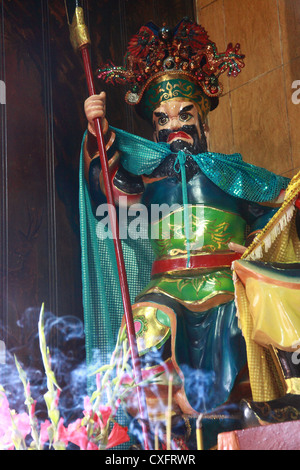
{"x": 54, "y": 416}
{"x": 49, "y": 399}
{"x": 21, "y": 372}
{"x": 103, "y": 369}
{"x": 95, "y": 395}
{"x": 45, "y": 351}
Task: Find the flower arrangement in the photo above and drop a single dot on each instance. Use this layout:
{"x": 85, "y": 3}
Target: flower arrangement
{"x": 96, "y": 430}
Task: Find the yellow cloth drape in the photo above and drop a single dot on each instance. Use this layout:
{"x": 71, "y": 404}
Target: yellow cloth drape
{"x": 278, "y": 242}
{"x": 275, "y": 312}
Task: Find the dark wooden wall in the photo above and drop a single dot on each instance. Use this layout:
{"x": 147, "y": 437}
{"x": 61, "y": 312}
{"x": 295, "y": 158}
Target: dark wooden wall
{"x": 41, "y": 128}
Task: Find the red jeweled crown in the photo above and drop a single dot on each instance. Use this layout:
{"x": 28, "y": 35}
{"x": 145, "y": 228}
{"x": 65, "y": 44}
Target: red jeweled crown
{"x": 186, "y": 49}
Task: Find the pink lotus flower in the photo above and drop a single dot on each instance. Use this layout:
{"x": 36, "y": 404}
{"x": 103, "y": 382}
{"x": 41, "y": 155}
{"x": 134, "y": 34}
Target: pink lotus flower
{"x": 62, "y": 432}
{"x": 118, "y": 435}
{"x": 21, "y": 421}
{"x": 105, "y": 412}
{"x": 77, "y": 434}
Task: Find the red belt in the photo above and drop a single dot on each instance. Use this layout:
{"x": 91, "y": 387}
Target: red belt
{"x": 200, "y": 261}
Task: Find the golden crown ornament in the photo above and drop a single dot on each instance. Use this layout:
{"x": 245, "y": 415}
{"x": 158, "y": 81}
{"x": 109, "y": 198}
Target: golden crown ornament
{"x": 185, "y": 52}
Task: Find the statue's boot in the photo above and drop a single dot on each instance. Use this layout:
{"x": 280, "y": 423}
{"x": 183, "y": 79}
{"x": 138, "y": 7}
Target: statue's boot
{"x": 155, "y": 328}
{"x": 285, "y": 408}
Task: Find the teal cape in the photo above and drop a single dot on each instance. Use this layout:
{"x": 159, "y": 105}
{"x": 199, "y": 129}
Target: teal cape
{"x": 102, "y": 301}
{"x": 229, "y": 172}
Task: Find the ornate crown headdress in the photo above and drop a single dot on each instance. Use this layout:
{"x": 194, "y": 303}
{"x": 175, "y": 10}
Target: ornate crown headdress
{"x": 157, "y": 58}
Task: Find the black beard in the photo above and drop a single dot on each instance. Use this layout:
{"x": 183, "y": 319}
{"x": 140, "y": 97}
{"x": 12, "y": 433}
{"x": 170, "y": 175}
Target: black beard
{"x": 166, "y": 168}
{"x": 199, "y": 144}
{"x": 179, "y": 144}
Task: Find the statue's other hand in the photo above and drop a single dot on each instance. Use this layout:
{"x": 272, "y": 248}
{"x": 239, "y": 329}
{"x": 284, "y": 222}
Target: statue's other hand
{"x": 236, "y": 247}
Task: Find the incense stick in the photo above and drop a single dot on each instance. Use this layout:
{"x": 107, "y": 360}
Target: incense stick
{"x": 169, "y": 413}
{"x": 199, "y": 434}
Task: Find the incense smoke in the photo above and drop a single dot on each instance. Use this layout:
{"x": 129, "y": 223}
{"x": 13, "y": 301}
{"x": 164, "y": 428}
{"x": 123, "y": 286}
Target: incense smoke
{"x": 65, "y": 339}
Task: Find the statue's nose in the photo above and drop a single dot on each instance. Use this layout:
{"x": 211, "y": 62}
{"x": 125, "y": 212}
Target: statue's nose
{"x": 175, "y": 123}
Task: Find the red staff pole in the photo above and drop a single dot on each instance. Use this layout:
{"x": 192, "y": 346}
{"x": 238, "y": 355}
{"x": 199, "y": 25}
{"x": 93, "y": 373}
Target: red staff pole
{"x": 80, "y": 40}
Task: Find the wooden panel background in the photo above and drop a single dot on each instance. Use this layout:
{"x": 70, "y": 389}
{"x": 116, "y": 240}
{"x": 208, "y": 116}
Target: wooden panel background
{"x": 257, "y": 116}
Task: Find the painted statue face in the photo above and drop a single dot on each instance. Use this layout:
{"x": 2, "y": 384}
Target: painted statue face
{"x": 178, "y": 124}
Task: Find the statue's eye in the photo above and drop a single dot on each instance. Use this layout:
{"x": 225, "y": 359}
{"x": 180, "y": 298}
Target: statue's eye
{"x": 184, "y": 117}
{"x": 162, "y": 120}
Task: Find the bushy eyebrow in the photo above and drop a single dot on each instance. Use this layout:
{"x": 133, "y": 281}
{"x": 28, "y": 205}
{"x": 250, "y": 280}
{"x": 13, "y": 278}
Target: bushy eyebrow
{"x": 186, "y": 108}
{"x": 160, "y": 114}
{"x": 183, "y": 110}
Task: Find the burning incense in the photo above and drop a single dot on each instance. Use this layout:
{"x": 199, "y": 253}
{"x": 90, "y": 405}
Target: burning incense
{"x": 169, "y": 413}
{"x": 199, "y": 434}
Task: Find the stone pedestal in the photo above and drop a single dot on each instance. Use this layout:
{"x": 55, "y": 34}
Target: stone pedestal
{"x": 280, "y": 436}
